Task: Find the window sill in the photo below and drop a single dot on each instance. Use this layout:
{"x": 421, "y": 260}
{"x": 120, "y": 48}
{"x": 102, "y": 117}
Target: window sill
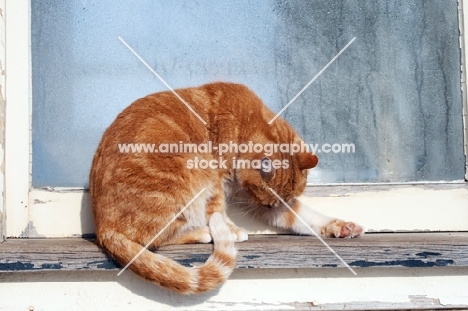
{"x": 411, "y": 250}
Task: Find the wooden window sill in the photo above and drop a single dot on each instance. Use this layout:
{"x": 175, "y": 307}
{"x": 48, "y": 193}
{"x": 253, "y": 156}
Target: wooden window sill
{"x": 412, "y": 250}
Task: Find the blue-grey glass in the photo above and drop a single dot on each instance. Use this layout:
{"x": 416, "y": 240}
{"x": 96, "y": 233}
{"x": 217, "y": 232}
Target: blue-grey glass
{"x": 394, "y": 92}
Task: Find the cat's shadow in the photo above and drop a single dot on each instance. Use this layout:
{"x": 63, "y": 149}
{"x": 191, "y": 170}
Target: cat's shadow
{"x": 88, "y": 228}
{"x": 138, "y": 286}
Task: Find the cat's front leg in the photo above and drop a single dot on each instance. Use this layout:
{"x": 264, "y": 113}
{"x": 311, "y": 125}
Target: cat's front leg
{"x": 300, "y": 219}
{"x": 338, "y": 228}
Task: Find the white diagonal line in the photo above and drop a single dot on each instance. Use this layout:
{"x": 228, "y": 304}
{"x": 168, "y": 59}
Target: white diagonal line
{"x": 159, "y": 233}
{"x": 313, "y": 232}
{"x": 312, "y": 81}
{"x": 162, "y": 80}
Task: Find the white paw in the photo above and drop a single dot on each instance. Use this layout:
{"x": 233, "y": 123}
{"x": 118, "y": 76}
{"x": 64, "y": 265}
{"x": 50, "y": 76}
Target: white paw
{"x": 241, "y": 235}
{"x": 205, "y": 237}
{"x": 342, "y": 229}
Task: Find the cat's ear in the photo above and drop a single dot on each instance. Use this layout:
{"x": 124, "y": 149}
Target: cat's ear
{"x": 267, "y": 171}
{"x": 306, "y": 160}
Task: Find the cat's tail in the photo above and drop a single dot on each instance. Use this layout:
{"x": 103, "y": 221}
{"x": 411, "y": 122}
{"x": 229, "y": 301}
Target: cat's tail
{"x": 170, "y": 274}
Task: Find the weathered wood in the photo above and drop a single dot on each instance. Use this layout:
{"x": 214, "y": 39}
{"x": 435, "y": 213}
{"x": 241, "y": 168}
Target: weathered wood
{"x": 334, "y": 190}
{"x": 261, "y": 251}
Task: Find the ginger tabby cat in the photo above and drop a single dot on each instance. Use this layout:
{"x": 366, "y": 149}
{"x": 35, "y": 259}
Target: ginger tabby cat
{"x": 136, "y": 194}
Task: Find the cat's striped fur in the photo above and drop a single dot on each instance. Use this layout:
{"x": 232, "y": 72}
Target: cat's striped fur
{"x": 134, "y": 195}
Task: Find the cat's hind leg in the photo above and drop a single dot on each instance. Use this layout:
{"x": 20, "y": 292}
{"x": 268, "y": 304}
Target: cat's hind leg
{"x": 194, "y": 236}
{"x": 203, "y": 235}
{"x": 241, "y": 233}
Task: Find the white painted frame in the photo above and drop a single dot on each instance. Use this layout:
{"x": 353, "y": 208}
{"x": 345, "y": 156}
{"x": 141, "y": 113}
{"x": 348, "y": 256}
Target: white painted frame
{"x": 66, "y": 212}
{"x": 2, "y": 118}
{"x": 464, "y": 45}
{"x": 18, "y": 112}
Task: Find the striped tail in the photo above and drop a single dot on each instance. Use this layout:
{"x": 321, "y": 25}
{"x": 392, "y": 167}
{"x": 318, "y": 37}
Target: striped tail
{"x": 170, "y": 274}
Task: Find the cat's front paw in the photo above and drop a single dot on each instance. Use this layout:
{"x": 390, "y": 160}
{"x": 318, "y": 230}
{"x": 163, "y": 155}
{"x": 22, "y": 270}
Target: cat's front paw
{"x": 341, "y": 229}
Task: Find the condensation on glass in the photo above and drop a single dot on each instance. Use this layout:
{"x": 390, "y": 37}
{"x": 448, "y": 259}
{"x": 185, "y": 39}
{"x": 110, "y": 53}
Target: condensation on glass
{"x": 393, "y": 97}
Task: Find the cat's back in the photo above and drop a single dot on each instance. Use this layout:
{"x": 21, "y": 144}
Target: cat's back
{"x": 185, "y": 116}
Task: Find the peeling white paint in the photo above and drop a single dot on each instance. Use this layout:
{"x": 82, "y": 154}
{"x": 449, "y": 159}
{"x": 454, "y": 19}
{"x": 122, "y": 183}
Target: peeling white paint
{"x": 17, "y": 132}
{"x": 65, "y": 214}
{"x": 245, "y": 290}
{"x": 2, "y": 119}
{"x": 462, "y": 6}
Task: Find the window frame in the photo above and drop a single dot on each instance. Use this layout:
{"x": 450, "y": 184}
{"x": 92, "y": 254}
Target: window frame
{"x": 17, "y": 114}
{"x": 2, "y": 117}
{"x": 64, "y": 212}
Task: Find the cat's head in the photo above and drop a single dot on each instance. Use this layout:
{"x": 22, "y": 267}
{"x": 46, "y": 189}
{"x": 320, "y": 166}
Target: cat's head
{"x": 270, "y": 179}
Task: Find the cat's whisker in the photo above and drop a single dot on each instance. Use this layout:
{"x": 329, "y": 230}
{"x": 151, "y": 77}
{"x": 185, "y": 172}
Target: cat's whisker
{"x": 238, "y": 203}
{"x": 245, "y": 206}
{"x": 235, "y": 192}
{"x": 241, "y": 213}
{"x": 239, "y": 198}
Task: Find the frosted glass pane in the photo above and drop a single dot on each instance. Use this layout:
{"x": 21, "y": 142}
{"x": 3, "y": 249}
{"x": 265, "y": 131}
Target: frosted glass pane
{"x": 394, "y": 93}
